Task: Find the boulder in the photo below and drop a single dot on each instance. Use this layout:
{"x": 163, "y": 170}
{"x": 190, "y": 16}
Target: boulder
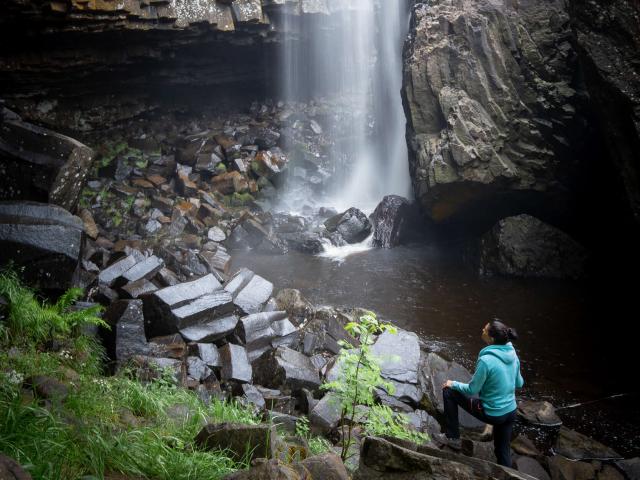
{"x": 260, "y": 330}
{"x": 532, "y": 467}
{"x": 43, "y": 239}
{"x": 398, "y": 355}
{"x": 11, "y": 470}
{"x": 138, "y": 288}
{"x": 576, "y": 446}
{"x": 127, "y": 321}
{"x": 144, "y": 270}
{"x": 203, "y": 309}
{"x": 390, "y": 220}
{"x": 538, "y": 413}
{"x": 148, "y": 368}
{"x": 47, "y": 388}
{"x": 352, "y": 225}
{"x": 113, "y": 272}
{"x": 209, "y": 354}
{"x": 298, "y": 307}
{"x": 211, "y": 330}
{"x": 170, "y": 346}
{"x": 197, "y": 368}
{"x": 382, "y": 459}
{"x": 235, "y": 363}
{"x": 564, "y": 469}
{"x": 41, "y": 165}
{"x": 423, "y": 422}
{"x": 286, "y": 367}
{"x": 240, "y": 441}
{"x": 524, "y": 246}
{"x": 325, "y": 415}
{"x": 327, "y": 466}
{"x": 435, "y": 372}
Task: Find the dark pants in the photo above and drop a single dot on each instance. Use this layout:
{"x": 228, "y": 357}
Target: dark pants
{"x": 502, "y": 425}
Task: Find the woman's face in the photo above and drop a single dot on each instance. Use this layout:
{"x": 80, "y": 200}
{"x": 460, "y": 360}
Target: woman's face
{"x": 485, "y": 335}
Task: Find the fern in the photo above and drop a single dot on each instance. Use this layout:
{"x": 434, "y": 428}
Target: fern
{"x": 29, "y": 319}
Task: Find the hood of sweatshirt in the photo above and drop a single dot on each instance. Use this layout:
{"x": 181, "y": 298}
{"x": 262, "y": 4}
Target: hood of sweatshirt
{"x": 506, "y": 353}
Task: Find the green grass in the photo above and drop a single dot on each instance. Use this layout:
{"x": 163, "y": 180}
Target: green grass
{"x": 106, "y": 424}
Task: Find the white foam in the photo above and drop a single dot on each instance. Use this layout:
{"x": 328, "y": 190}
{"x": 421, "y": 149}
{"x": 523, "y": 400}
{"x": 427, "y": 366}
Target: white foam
{"x": 340, "y": 254}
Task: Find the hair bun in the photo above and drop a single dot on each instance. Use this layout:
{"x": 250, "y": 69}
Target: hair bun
{"x": 511, "y": 332}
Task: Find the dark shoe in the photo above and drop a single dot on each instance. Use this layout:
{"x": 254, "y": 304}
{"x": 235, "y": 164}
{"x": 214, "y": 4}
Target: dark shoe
{"x": 443, "y": 441}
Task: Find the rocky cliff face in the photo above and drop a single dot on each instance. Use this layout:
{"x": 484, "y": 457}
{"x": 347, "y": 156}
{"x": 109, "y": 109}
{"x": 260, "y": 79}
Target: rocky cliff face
{"x": 87, "y": 64}
{"x": 492, "y": 103}
{"x": 607, "y": 38}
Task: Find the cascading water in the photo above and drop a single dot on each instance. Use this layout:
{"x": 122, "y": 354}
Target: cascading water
{"x": 352, "y": 59}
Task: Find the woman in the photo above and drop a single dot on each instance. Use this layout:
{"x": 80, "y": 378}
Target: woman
{"x": 495, "y": 380}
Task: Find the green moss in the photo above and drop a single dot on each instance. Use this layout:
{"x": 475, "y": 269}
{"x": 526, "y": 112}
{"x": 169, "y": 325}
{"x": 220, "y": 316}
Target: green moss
{"x": 240, "y": 199}
{"x": 221, "y": 168}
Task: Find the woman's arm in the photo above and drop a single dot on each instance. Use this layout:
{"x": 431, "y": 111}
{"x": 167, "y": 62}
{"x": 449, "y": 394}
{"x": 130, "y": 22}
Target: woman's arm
{"x": 519, "y": 379}
{"x": 474, "y": 386}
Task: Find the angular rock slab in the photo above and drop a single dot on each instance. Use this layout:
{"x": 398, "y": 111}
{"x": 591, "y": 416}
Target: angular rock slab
{"x": 159, "y": 306}
{"x": 210, "y": 331}
{"x": 44, "y": 239}
{"x": 435, "y": 372}
{"x": 259, "y": 441}
{"x": 382, "y": 459}
{"x": 209, "y": 354}
{"x": 532, "y": 467}
{"x": 204, "y": 308}
{"x": 325, "y": 416}
{"x": 286, "y": 367}
{"x": 576, "y": 446}
{"x": 53, "y": 164}
{"x": 127, "y": 320}
{"x": 352, "y": 225}
{"x": 252, "y": 297}
{"x": 235, "y": 363}
{"x": 327, "y": 466}
{"x": 398, "y": 355}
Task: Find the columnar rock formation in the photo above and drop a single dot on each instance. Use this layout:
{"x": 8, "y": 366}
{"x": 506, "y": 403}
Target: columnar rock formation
{"x": 504, "y": 101}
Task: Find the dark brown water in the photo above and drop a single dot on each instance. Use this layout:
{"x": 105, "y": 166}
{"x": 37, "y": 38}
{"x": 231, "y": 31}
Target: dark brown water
{"x": 568, "y": 353}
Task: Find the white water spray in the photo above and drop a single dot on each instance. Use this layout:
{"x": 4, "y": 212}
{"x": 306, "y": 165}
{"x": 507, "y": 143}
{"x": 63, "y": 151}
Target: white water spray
{"x": 354, "y": 57}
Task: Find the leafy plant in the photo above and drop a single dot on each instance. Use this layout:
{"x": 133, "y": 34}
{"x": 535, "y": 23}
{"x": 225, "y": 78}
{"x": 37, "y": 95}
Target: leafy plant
{"x": 30, "y": 319}
{"x": 381, "y": 420}
{"x": 359, "y": 374}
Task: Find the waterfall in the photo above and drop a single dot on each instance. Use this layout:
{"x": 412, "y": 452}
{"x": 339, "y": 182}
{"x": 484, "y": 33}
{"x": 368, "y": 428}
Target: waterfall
{"x": 352, "y": 57}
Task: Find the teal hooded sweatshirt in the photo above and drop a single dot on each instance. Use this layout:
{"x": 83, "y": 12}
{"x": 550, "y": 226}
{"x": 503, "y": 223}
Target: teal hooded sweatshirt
{"x": 495, "y": 380}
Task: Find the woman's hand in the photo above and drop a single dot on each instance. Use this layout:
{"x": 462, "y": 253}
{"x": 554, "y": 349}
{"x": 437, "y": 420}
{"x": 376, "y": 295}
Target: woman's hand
{"x": 447, "y": 384}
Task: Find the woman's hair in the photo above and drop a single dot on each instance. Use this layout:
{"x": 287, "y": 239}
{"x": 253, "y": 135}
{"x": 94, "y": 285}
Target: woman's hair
{"x": 501, "y": 333}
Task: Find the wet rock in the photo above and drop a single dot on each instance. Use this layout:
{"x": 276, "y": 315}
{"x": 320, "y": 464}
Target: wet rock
{"x": 398, "y": 355}
{"x": 257, "y": 331}
{"x": 235, "y": 363}
{"x": 303, "y": 242}
{"x": 390, "y": 220}
{"x": 45, "y": 240}
{"x": 209, "y": 354}
{"x": 423, "y": 422}
{"x": 327, "y": 466}
{"x": 90, "y": 227}
{"x": 531, "y": 467}
{"x": 630, "y": 467}
{"x": 267, "y": 164}
{"x": 526, "y": 247}
{"x": 218, "y": 260}
{"x": 576, "y": 446}
{"x": 11, "y": 470}
{"x": 127, "y": 321}
{"x": 325, "y": 331}
{"x": 298, "y": 307}
{"x": 325, "y": 415}
{"x": 40, "y": 164}
{"x": 114, "y": 271}
{"x": 253, "y": 295}
{"x": 138, "y": 289}
{"x": 564, "y": 469}
{"x": 169, "y": 346}
{"x": 435, "y": 372}
{"x": 252, "y": 395}
{"x": 382, "y": 459}
{"x": 539, "y": 413}
{"x": 152, "y": 368}
{"x": 352, "y": 225}
{"x": 216, "y": 234}
{"x": 158, "y": 306}
{"x": 201, "y": 309}
{"x": 197, "y": 368}
{"x": 47, "y": 388}
{"x": 524, "y": 446}
{"x": 258, "y": 441}
{"x": 286, "y": 367}
{"x": 144, "y": 270}
{"x": 212, "y": 330}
